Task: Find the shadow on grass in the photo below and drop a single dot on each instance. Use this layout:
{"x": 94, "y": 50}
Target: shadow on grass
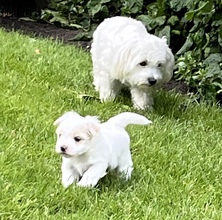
{"x": 169, "y": 104}
{"x": 166, "y": 103}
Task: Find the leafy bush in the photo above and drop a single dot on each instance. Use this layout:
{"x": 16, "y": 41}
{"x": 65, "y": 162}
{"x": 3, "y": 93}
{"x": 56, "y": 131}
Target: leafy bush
{"x": 86, "y": 15}
{"x": 193, "y": 29}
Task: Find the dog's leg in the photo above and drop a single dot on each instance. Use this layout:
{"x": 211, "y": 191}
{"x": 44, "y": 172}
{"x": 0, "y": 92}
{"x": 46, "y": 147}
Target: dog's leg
{"x": 125, "y": 165}
{"x": 107, "y": 88}
{"x": 69, "y": 175}
{"x": 92, "y": 175}
{"x": 142, "y": 99}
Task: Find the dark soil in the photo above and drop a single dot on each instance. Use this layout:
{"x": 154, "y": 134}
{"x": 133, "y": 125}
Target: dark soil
{"x": 38, "y": 29}
{"x": 45, "y": 30}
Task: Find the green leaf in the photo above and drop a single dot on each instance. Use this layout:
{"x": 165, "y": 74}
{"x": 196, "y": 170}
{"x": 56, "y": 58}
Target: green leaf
{"x": 196, "y": 26}
{"x": 198, "y": 37}
{"x": 213, "y": 58}
{"x": 220, "y": 36}
{"x": 94, "y": 7}
{"x": 152, "y": 10}
{"x": 160, "y": 20}
{"x": 152, "y": 23}
{"x": 162, "y": 7}
{"x": 177, "y": 5}
{"x": 213, "y": 71}
{"x": 176, "y": 32}
{"x": 165, "y": 32}
{"x": 172, "y": 20}
{"x": 63, "y": 21}
{"x": 146, "y": 20}
{"x": 190, "y": 15}
{"x": 104, "y": 1}
{"x": 217, "y": 84}
{"x": 206, "y": 7}
{"x": 132, "y": 7}
{"x": 77, "y": 26}
{"x": 83, "y": 36}
{"x": 93, "y": 3}
{"x": 187, "y": 45}
{"x": 103, "y": 13}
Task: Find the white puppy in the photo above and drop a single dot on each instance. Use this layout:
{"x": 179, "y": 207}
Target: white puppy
{"x": 89, "y": 148}
{"x": 123, "y": 53}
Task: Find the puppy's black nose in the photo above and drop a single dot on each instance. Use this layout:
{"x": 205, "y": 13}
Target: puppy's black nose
{"x": 152, "y": 81}
{"x": 63, "y": 149}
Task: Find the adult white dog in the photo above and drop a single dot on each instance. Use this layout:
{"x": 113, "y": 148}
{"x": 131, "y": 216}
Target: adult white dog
{"x": 89, "y": 148}
{"x": 123, "y": 53}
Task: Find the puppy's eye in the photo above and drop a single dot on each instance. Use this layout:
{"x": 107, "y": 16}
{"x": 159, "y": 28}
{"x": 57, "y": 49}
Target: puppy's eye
{"x": 144, "y": 63}
{"x": 159, "y": 65}
{"x": 59, "y": 135}
{"x": 77, "y": 139}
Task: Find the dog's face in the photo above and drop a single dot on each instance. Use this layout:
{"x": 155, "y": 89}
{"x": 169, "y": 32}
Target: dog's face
{"x": 145, "y": 62}
{"x": 75, "y": 134}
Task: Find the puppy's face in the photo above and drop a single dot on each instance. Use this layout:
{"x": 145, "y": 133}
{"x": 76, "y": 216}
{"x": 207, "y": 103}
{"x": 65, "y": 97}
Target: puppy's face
{"x": 148, "y": 62}
{"x": 75, "y": 134}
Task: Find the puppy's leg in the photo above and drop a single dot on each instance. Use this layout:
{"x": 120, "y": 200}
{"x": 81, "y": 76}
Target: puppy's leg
{"x": 92, "y": 175}
{"x": 107, "y": 87}
{"x": 125, "y": 165}
{"x": 142, "y": 99}
{"x": 69, "y": 175}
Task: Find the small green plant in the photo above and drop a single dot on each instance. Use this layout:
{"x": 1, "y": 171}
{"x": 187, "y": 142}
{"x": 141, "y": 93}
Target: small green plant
{"x": 204, "y": 78}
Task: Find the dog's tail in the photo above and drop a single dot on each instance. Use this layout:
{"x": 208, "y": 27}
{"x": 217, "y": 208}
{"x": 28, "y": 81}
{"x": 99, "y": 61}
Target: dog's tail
{"x": 126, "y": 118}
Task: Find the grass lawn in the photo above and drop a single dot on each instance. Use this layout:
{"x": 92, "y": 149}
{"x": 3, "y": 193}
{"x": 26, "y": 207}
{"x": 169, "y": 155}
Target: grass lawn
{"x": 177, "y": 160}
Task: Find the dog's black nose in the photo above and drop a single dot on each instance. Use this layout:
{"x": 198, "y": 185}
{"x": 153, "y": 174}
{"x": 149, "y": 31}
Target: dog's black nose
{"x": 63, "y": 149}
{"x": 152, "y": 81}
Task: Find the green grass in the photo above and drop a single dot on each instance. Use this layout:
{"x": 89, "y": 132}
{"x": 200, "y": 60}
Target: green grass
{"x": 177, "y": 159}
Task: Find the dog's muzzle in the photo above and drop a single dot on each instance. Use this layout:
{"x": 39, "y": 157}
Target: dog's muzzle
{"x": 63, "y": 152}
{"x": 63, "y": 149}
{"x": 152, "y": 81}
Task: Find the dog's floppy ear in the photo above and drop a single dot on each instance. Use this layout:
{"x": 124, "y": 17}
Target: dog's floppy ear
{"x": 122, "y": 60}
{"x": 170, "y": 63}
{"x": 58, "y": 121}
{"x": 92, "y": 125}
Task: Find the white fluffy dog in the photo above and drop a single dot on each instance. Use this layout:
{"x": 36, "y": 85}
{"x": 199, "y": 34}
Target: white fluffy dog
{"x": 89, "y": 148}
{"x": 123, "y": 53}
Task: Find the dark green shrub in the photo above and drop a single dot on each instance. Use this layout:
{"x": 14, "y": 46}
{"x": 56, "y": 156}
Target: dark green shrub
{"x": 86, "y": 15}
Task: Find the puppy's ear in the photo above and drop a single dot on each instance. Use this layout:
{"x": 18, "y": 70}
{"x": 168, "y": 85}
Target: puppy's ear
{"x": 58, "y": 121}
{"x": 93, "y": 125}
{"x": 93, "y": 128}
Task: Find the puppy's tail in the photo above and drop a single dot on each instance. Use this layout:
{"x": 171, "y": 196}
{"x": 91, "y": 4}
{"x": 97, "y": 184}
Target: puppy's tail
{"x": 126, "y": 118}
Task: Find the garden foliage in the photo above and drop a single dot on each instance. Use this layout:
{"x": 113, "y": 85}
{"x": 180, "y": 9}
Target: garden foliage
{"x": 193, "y": 29}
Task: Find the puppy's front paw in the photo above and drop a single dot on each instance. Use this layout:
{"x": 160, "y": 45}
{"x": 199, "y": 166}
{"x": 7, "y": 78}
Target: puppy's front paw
{"x": 87, "y": 182}
{"x": 126, "y": 171}
{"x": 66, "y": 182}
